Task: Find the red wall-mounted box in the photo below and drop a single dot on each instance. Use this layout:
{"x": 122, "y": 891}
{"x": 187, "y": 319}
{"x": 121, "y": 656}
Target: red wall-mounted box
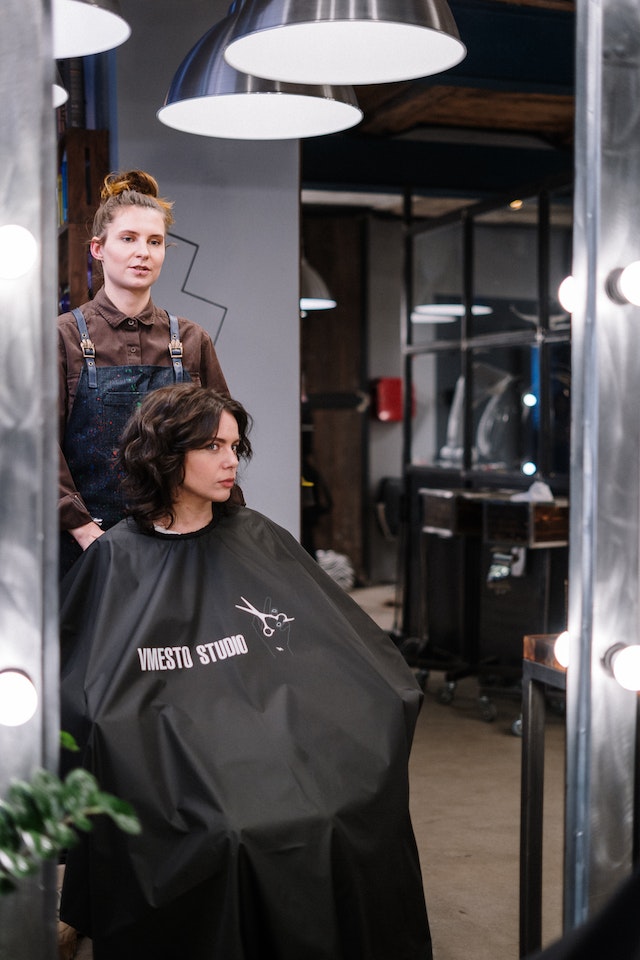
{"x": 387, "y": 399}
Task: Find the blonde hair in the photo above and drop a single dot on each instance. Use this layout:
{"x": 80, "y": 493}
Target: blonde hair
{"x": 133, "y": 188}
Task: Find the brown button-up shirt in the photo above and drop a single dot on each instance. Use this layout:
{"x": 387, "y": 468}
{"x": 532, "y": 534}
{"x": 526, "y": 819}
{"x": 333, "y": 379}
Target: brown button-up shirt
{"x": 119, "y": 340}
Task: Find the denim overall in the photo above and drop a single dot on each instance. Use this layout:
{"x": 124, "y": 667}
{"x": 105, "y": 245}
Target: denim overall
{"x": 105, "y": 400}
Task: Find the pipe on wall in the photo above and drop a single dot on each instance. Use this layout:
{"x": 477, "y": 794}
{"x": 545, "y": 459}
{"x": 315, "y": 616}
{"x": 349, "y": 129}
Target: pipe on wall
{"x": 28, "y": 434}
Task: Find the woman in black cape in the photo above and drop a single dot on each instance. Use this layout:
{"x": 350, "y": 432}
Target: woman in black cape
{"x": 257, "y": 719}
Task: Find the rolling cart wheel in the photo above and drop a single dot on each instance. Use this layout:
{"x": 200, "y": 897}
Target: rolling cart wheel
{"x": 421, "y": 678}
{"x": 516, "y": 727}
{"x": 488, "y": 709}
{"x": 446, "y": 693}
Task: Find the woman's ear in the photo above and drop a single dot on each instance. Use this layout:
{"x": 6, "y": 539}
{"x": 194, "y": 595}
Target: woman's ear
{"x": 95, "y": 247}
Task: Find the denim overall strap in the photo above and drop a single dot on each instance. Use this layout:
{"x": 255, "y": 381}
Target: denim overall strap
{"x": 88, "y": 349}
{"x": 175, "y": 348}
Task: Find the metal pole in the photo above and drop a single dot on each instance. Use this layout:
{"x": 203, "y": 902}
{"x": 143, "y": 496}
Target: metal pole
{"x": 28, "y": 430}
{"x": 605, "y": 459}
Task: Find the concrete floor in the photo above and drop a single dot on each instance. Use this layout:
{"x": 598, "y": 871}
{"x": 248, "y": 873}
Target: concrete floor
{"x": 465, "y": 806}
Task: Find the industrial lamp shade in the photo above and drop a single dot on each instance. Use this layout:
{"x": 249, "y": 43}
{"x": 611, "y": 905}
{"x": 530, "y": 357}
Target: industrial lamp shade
{"x": 344, "y": 41}
{"x": 210, "y": 98}
{"x": 84, "y": 27}
{"x": 59, "y": 92}
{"x": 314, "y": 292}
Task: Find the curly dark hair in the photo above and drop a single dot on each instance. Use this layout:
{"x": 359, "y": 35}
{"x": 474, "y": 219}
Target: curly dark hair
{"x": 168, "y": 423}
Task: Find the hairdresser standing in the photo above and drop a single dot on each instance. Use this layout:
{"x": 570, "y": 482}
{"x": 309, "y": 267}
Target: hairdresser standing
{"x": 114, "y": 350}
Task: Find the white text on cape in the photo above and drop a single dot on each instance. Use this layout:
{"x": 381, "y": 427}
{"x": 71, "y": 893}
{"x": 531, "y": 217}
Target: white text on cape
{"x": 181, "y": 658}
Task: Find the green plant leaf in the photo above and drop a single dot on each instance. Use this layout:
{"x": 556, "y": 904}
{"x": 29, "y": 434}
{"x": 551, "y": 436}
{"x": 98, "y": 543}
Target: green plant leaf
{"x": 121, "y": 812}
{"x": 68, "y": 742}
{"x": 40, "y": 818}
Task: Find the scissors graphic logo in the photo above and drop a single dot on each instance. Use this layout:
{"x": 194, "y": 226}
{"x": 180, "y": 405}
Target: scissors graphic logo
{"x": 277, "y": 620}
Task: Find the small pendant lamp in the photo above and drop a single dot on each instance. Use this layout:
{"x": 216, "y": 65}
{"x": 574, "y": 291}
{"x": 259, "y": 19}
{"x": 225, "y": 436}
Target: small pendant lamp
{"x": 84, "y": 27}
{"x": 59, "y": 91}
{"x": 344, "y": 41}
{"x": 314, "y": 292}
{"x": 210, "y": 98}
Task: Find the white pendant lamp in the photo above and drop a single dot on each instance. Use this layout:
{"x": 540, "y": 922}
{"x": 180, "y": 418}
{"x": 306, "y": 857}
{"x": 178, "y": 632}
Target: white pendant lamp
{"x": 314, "y": 292}
{"x": 59, "y": 91}
{"x": 344, "y": 41}
{"x": 85, "y": 27}
{"x": 445, "y": 312}
{"x": 210, "y": 98}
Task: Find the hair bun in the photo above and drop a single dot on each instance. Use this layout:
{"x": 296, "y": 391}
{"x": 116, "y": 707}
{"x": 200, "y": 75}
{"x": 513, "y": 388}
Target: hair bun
{"x": 136, "y": 180}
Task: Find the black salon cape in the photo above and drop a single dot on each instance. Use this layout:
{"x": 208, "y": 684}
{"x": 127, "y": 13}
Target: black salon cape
{"x": 260, "y": 724}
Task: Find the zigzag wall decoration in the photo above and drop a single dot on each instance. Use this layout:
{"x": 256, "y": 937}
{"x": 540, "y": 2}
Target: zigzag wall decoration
{"x": 220, "y": 309}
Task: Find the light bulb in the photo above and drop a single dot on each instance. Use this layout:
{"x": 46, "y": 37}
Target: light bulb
{"x": 625, "y": 666}
{"x": 629, "y": 283}
{"x": 529, "y": 468}
{"x": 529, "y": 399}
{"x": 18, "y": 698}
{"x": 18, "y": 251}
{"x": 567, "y": 294}
{"x": 561, "y": 648}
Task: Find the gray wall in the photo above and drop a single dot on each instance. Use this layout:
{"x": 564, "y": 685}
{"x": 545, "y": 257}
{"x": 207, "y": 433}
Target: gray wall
{"x": 237, "y": 205}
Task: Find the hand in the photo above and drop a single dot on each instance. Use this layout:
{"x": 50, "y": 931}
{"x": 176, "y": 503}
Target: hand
{"x": 86, "y": 534}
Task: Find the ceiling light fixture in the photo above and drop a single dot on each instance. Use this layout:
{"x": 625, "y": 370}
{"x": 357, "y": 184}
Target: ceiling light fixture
{"x": 445, "y": 312}
{"x": 210, "y": 98}
{"x": 344, "y": 41}
{"x": 314, "y": 292}
{"x": 84, "y": 27}
{"x": 60, "y": 93}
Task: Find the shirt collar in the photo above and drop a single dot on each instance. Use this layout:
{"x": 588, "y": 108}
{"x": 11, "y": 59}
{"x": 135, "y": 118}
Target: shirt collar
{"x": 115, "y": 317}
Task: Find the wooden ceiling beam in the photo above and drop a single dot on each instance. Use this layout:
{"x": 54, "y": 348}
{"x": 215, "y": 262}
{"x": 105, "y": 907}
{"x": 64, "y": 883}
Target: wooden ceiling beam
{"x": 550, "y": 116}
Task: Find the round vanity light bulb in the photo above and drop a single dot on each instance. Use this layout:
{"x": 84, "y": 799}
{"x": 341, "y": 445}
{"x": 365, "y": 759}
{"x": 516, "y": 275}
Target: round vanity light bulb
{"x": 18, "y": 251}
{"x": 561, "y": 648}
{"x": 529, "y": 468}
{"x": 629, "y": 283}
{"x": 625, "y": 665}
{"x": 529, "y": 399}
{"x": 18, "y": 698}
{"x": 567, "y": 293}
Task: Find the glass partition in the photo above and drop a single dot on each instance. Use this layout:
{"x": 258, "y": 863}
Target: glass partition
{"x": 505, "y": 267}
{"x": 436, "y": 301}
{"x": 488, "y": 343}
{"x": 438, "y": 421}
